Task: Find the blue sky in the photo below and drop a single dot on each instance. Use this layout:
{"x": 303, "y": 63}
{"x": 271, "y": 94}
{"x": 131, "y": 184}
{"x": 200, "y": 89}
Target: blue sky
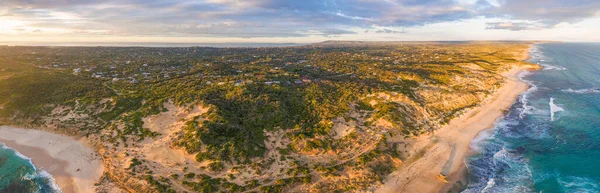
{"x": 302, "y": 21}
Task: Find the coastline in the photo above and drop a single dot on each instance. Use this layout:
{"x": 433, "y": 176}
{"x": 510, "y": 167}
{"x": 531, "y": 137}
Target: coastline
{"x": 75, "y": 167}
{"x": 444, "y": 151}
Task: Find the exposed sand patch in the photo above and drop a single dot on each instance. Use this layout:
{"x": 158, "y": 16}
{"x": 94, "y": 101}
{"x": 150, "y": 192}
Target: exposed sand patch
{"x": 168, "y": 124}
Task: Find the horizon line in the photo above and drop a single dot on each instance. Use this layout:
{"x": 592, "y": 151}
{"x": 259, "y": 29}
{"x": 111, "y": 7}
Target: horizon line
{"x": 243, "y": 44}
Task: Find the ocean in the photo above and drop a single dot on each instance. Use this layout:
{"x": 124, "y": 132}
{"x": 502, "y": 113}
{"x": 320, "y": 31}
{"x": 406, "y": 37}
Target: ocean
{"x": 550, "y": 139}
{"x": 19, "y": 175}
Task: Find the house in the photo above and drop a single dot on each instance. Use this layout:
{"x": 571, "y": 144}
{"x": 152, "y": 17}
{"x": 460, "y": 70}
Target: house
{"x": 298, "y": 81}
{"x": 238, "y": 82}
{"x": 268, "y": 83}
{"x": 306, "y": 80}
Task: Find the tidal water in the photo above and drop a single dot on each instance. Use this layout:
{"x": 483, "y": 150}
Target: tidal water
{"x": 550, "y": 139}
{"x": 19, "y": 175}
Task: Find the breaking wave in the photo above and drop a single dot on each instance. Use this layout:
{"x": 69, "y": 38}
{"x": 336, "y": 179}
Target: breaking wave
{"x": 44, "y": 181}
{"x": 582, "y": 91}
{"x": 554, "y": 109}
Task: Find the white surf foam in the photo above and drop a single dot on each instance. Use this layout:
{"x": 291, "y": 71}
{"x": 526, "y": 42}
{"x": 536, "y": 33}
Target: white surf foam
{"x": 582, "y": 91}
{"x": 490, "y": 184}
{"x": 552, "y": 67}
{"x": 554, "y": 108}
{"x": 4, "y": 146}
{"x": 477, "y": 142}
{"x": 578, "y": 184}
{"x": 51, "y": 181}
{"x": 524, "y": 97}
{"x": 39, "y": 172}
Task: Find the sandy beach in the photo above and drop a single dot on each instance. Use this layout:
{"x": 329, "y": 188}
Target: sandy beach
{"x": 74, "y": 166}
{"x": 445, "y": 150}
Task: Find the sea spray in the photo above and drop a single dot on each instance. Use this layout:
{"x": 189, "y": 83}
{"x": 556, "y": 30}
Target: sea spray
{"x": 554, "y": 108}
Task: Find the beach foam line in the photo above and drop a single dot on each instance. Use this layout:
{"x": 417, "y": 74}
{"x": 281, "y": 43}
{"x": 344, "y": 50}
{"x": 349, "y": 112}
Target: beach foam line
{"x": 524, "y": 97}
{"x": 51, "y": 181}
{"x": 76, "y": 167}
{"x": 40, "y": 173}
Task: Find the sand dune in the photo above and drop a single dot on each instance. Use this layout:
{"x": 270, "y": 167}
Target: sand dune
{"x": 444, "y": 151}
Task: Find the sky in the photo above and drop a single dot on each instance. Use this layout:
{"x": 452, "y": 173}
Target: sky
{"x": 297, "y": 21}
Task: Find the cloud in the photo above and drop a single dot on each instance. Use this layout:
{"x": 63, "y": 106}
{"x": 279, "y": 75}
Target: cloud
{"x": 282, "y": 18}
{"x": 230, "y": 18}
{"x": 546, "y": 13}
{"x": 513, "y": 26}
{"x": 389, "y": 31}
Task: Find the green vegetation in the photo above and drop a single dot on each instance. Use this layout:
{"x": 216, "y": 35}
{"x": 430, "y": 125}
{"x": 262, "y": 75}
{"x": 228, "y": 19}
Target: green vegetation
{"x": 30, "y": 93}
{"x": 204, "y": 184}
{"x": 105, "y": 93}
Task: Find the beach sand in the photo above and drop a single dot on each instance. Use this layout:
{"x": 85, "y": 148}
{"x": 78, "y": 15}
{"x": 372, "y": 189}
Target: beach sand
{"x": 444, "y": 151}
{"x": 75, "y": 166}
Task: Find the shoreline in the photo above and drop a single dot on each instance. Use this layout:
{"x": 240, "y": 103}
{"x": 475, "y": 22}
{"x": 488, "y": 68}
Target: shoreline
{"x": 75, "y": 167}
{"x": 458, "y": 179}
{"x": 444, "y": 151}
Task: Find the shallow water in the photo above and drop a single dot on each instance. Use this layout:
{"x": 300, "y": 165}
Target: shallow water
{"x": 18, "y": 174}
{"x": 550, "y": 140}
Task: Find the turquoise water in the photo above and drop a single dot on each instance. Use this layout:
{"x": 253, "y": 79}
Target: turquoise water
{"x": 19, "y": 175}
{"x": 550, "y": 140}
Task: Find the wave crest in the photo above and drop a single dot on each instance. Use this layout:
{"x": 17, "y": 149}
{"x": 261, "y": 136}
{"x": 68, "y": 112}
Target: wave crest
{"x": 582, "y": 91}
{"x": 554, "y": 108}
